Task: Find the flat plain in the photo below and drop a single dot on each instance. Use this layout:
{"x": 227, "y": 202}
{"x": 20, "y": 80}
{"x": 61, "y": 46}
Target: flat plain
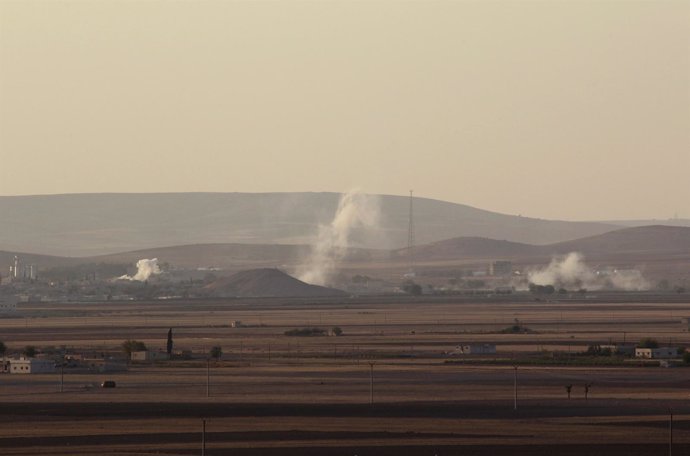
{"x": 271, "y": 394}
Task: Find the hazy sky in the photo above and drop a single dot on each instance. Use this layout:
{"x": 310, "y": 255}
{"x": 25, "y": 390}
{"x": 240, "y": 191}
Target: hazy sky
{"x": 556, "y": 109}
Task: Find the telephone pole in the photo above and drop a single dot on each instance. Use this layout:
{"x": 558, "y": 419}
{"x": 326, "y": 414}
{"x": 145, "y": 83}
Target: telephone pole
{"x": 515, "y": 388}
{"x": 410, "y": 236}
{"x": 371, "y": 384}
{"x": 208, "y": 378}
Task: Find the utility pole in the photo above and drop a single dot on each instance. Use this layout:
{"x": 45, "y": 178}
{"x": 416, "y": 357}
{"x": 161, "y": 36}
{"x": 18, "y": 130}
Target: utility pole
{"x": 203, "y": 437}
{"x": 62, "y": 377}
{"x": 515, "y": 388}
{"x": 411, "y": 237}
{"x": 371, "y": 384}
{"x": 670, "y": 432}
{"x": 208, "y": 378}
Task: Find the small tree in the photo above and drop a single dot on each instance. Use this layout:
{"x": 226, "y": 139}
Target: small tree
{"x": 170, "y": 342}
{"x": 336, "y": 331}
{"x": 3, "y": 348}
{"x": 216, "y": 352}
{"x": 648, "y": 342}
{"x": 588, "y": 386}
{"x": 686, "y": 357}
{"x": 29, "y": 351}
{"x": 130, "y": 346}
{"x": 412, "y": 288}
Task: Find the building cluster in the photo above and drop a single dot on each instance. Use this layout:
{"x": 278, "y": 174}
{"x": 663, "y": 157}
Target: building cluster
{"x": 28, "y": 366}
{"x": 21, "y": 272}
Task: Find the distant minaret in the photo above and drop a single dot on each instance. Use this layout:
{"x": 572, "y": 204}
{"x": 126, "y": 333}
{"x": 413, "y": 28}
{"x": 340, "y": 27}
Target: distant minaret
{"x": 16, "y": 266}
{"x": 410, "y": 237}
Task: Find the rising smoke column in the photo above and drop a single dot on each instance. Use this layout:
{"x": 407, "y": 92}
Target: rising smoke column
{"x": 355, "y": 210}
{"x": 568, "y": 271}
{"x": 571, "y": 272}
{"x": 145, "y": 269}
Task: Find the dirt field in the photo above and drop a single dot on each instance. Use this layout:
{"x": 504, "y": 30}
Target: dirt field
{"x": 277, "y": 395}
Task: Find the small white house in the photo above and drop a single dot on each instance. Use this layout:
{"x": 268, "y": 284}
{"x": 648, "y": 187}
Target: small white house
{"x": 657, "y": 353}
{"x": 31, "y": 366}
{"x": 476, "y": 349}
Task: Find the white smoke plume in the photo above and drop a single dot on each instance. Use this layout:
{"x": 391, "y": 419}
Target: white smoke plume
{"x": 571, "y": 272}
{"x": 145, "y": 269}
{"x": 355, "y": 211}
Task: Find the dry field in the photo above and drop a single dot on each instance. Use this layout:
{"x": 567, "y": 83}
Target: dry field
{"x": 278, "y": 395}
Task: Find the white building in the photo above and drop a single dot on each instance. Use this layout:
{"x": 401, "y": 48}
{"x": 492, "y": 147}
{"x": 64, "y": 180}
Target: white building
{"x": 31, "y": 366}
{"x": 8, "y": 304}
{"x": 476, "y": 349}
{"x": 657, "y": 353}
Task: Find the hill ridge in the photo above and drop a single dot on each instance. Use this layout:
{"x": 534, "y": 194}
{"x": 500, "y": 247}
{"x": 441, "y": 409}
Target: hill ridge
{"x": 92, "y": 224}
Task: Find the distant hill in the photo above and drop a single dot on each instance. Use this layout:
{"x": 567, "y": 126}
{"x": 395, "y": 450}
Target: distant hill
{"x": 644, "y": 240}
{"x": 98, "y": 224}
{"x": 665, "y": 222}
{"x": 224, "y": 256}
{"x": 265, "y": 282}
{"x": 638, "y": 241}
{"x": 470, "y": 248}
{"x": 42, "y": 261}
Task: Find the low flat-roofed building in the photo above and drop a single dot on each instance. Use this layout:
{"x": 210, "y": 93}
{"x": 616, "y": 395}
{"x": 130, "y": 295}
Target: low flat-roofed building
{"x": 102, "y": 365}
{"x": 148, "y": 355}
{"x": 501, "y": 268}
{"x": 31, "y": 366}
{"x": 8, "y": 304}
{"x": 476, "y": 349}
{"x": 657, "y": 353}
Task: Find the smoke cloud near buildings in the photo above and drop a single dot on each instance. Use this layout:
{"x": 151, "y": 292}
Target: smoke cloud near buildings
{"x": 355, "y": 211}
{"x": 571, "y": 272}
{"x": 145, "y": 269}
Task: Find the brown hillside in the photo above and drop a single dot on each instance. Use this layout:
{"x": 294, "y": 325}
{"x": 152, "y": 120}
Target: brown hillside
{"x": 645, "y": 240}
{"x": 228, "y": 256}
{"x": 469, "y": 248}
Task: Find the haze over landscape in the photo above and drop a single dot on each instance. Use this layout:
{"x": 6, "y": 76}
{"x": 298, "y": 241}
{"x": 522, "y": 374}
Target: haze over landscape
{"x": 289, "y": 228}
{"x": 558, "y": 110}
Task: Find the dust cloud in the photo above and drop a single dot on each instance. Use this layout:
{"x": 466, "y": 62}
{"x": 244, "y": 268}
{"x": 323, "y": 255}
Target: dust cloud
{"x": 571, "y": 272}
{"x": 355, "y": 211}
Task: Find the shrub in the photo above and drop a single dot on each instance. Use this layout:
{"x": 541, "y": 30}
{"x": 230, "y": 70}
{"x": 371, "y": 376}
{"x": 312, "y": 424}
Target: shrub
{"x": 305, "y": 332}
{"x": 130, "y": 346}
{"x": 412, "y": 288}
{"x": 648, "y": 342}
{"x": 216, "y": 352}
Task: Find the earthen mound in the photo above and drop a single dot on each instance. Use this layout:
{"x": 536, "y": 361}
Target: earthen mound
{"x": 264, "y": 283}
